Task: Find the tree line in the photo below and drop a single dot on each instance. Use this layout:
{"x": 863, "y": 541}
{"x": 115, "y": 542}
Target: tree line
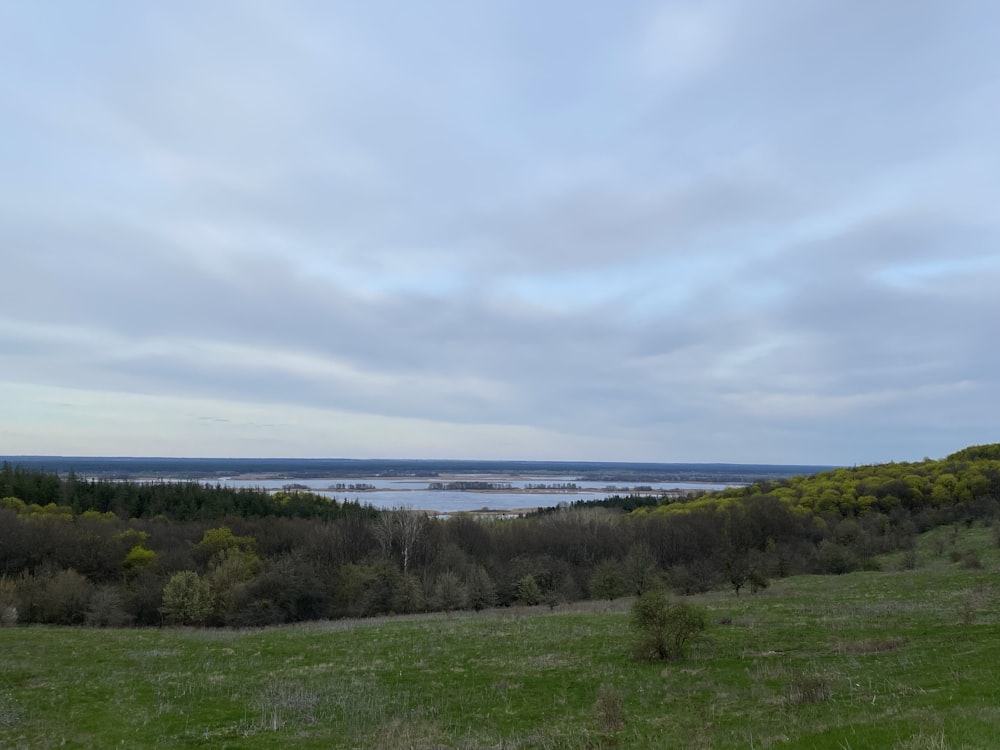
{"x": 101, "y": 552}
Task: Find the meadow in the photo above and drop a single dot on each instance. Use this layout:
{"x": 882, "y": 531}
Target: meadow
{"x": 904, "y": 657}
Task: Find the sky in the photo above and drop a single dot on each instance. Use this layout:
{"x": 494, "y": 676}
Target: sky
{"x": 720, "y": 231}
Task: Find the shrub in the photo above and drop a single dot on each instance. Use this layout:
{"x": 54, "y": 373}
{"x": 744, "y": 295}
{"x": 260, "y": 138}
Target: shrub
{"x": 608, "y": 581}
{"x": 107, "y": 609}
{"x": 449, "y": 592}
{"x": 664, "y": 630}
{"x": 482, "y": 590}
{"x": 971, "y": 560}
{"x": 909, "y": 560}
{"x": 142, "y": 597}
{"x": 527, "y": 590}
{"x": 65, "y": 598}
{"x": 187, "y": 599}
{"x": 693, "y": 578}
{"x": 835, "y": 559}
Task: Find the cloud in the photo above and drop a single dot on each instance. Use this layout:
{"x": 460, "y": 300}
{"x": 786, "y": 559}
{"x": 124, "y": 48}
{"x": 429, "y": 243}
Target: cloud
{"x": 659, "y": 231}
{"x": 685, "y": 40}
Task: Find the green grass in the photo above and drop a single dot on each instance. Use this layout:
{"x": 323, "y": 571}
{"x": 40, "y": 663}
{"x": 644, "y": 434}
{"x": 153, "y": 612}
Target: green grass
{"x": 906, "y": 659}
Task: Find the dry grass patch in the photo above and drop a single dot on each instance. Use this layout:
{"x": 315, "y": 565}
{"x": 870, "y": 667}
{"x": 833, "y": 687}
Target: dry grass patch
{"x": 807, "y": 689}
{"x": 922, "y": 741}
{"x": 10, "y": 712}
{"x": 609, "y": 709}
{"x": 863, "y": 647}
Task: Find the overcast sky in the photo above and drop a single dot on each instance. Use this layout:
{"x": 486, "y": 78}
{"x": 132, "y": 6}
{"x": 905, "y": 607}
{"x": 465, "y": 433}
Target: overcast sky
{"x": 714, "y": 230}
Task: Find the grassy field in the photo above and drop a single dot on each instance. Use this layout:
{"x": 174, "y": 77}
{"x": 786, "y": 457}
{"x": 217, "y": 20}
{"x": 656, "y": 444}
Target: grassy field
{"x": 893, "y": 659}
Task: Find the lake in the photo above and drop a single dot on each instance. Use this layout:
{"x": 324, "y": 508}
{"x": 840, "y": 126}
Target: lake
{"x": 517, "y": 494}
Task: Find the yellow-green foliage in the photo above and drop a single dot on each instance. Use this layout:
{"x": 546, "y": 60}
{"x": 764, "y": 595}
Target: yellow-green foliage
{"x": 289, "y": 496}
{"x": 222, "y": 545}
{"x": 34, "y": 510}
{"x": 50, "y": 510}
{"x": 964, "y": 477}
{"x": 97, "y": 515}
{"x": 15, "y": 504}
{"x": 223, "y": 538}
{"x": 187, "y": 599}
{"x": 138, "y": 558}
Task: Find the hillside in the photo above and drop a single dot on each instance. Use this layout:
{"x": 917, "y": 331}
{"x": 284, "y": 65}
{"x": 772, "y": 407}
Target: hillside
{"x": 900, "y": 658}
{"x": 104, "y": 552}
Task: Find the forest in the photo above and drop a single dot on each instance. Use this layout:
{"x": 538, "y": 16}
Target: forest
{"x": 104, "y": 552}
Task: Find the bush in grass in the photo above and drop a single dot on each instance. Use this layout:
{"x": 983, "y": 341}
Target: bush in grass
{"x": 608, "y": 581}
{"x": 287, "y": 590}
{"x": 693, "y": 578}
{"x": 231, "y": 571}
{"x": 664, "y": 630}
{"x": 187, "y": 599}
{"x": 641, "y": 569}
{"x": 834, "y": 559}
{"x": 971, "y": 560}
{"x": 482, "y": 590}
{"x": 527, "y": 590}
{"x": 909, "y": 560}
{"x": 107, "y": 609}
{"x": 449, "y": 592}
{"x": 142, "y": 597}
{"x": 65, "y": 598}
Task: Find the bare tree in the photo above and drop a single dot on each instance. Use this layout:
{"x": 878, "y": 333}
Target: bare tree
{"x": 399, "y": 529}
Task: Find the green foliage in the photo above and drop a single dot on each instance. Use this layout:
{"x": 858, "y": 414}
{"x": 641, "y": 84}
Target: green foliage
{"x": 138, "y": 558}
{"x": 835, "y": 559}
{"x": 868, "y": 660}
{"x": 640, "y": 568}
{"x": 283, "y": 558}
{"x": 664, "y": 630}
{"x": 15, "y": 504}
{"x": 231, "y": 571}
{"x": 608, "y": 581}
{"x": 187, "y": 599}
{"x": 527, "y": 591}
{"x": 450, "y": 592}
{"x": 988, "y": 452}
{"x": 216, "y": 543}
{"x": 746, "y": 569}
{"x": 46, "y": 492}
{"x": 482, "y": 590}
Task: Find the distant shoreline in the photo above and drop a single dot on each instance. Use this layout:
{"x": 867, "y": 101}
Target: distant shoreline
{"x": 295, "y": 469}
{"x": 516, "y": 490}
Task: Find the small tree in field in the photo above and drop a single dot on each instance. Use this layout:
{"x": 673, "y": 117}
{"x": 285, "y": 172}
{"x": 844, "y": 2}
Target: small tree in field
{"x": 608, "y": 581}
{"x": 187, "y": 599}
{"x": 664, "y": 630}
{"x": 527, "y": 590}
